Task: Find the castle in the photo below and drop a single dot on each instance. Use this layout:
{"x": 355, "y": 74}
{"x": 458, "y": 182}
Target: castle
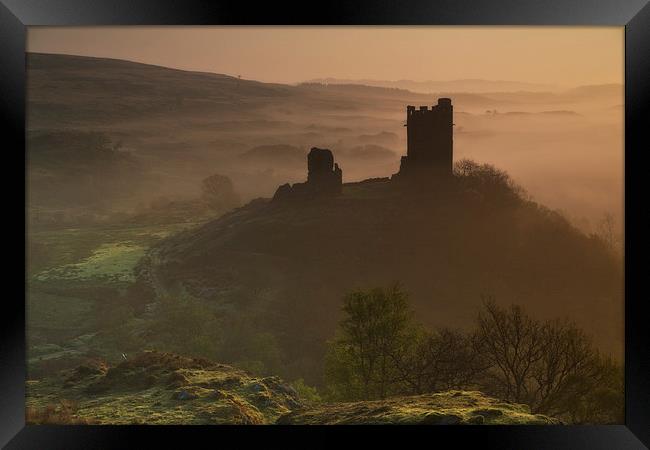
{"x": 430, "y": 145}
{"x": 429, "y": 155}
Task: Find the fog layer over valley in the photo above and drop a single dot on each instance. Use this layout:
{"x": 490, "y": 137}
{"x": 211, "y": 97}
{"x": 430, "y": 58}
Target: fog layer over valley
{"x": 107, "y": 136}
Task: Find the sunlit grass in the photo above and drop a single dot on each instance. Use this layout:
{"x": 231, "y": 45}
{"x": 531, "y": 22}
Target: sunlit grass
{"x": 114, "y": 261}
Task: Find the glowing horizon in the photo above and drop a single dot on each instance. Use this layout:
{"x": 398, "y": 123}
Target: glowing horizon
{"x": 555, "y": 56}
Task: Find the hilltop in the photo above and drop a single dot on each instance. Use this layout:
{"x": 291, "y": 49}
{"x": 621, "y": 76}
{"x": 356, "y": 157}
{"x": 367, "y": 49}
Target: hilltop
{"x": 286, "y": 265}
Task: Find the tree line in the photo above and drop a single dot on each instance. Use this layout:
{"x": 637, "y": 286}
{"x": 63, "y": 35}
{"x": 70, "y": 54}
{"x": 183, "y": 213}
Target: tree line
{"x": 380, "y": 350}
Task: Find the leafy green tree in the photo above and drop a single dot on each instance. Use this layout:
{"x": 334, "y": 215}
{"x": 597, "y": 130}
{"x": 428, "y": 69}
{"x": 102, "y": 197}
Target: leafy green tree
{"x": 342, "y": 375}
{"x": 375, "y": 326}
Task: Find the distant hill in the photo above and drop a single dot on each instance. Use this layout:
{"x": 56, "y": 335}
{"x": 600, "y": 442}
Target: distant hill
{"x": 65, "y": 90}
{"x": 367, "y": 152}
{"x": 463, "y": 85}
{"x": 275, "y": 155}
{"x": 592, "y": 93}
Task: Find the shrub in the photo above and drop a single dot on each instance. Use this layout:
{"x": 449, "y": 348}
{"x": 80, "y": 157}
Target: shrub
{"x": 61, "y": 413}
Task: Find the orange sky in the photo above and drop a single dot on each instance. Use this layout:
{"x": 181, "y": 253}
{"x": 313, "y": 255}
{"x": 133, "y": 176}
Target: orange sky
{"x": 560, "y": 56}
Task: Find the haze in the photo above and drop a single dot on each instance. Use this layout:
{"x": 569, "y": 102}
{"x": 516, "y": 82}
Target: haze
{"x": 557, "y": 91}
{"x": 159, "y": 217}
{"x": 559, "y": 56}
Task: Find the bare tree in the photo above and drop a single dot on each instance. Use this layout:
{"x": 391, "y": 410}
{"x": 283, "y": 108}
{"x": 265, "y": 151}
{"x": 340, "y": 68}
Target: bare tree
{"x": 435, "y": 361}
{"x": 568, "y": 358}
{"x": 513, "y": 344}
{"x": 542, "y": 364}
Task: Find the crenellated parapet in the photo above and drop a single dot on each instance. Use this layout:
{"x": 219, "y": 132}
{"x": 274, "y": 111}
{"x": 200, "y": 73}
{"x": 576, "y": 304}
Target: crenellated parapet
{"x": 429, "y": 141}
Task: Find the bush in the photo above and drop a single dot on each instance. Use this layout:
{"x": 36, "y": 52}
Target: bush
{"x": 307, "y": 394}
{"x": 61, "y": 413}
{"x": 489, "y": 182}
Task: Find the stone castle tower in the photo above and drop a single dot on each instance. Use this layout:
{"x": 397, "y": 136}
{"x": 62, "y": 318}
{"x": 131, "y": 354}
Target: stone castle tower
{"x": 430, "y": 146}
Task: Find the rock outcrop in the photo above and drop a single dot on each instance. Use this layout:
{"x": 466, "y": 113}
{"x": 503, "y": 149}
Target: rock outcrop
{"x": 165, "y": 388}
{"x": 443, "y": 408}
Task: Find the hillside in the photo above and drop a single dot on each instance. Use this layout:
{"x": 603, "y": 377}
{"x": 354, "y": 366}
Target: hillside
{"x": 288, "y": 265}
{"x": 466, "y": 85}
{"x": 164, "y": 388}
{"x": 67, "y": 90}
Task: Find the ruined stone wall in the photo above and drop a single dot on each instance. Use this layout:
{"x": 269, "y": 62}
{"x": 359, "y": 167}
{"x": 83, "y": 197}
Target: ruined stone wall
{"x": 324, "y": 177}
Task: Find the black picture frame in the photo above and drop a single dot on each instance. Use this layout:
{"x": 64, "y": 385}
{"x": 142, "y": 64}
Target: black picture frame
{"x": 16, "y": 15}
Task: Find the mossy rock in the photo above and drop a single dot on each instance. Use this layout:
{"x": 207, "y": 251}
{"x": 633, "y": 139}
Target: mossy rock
{"x": 443, "y": 408}
{"x": 163, "y": 388}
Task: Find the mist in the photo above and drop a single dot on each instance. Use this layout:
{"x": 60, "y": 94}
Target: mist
{"x": 565, "y": 148}
{"x": 162, "y": 235}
